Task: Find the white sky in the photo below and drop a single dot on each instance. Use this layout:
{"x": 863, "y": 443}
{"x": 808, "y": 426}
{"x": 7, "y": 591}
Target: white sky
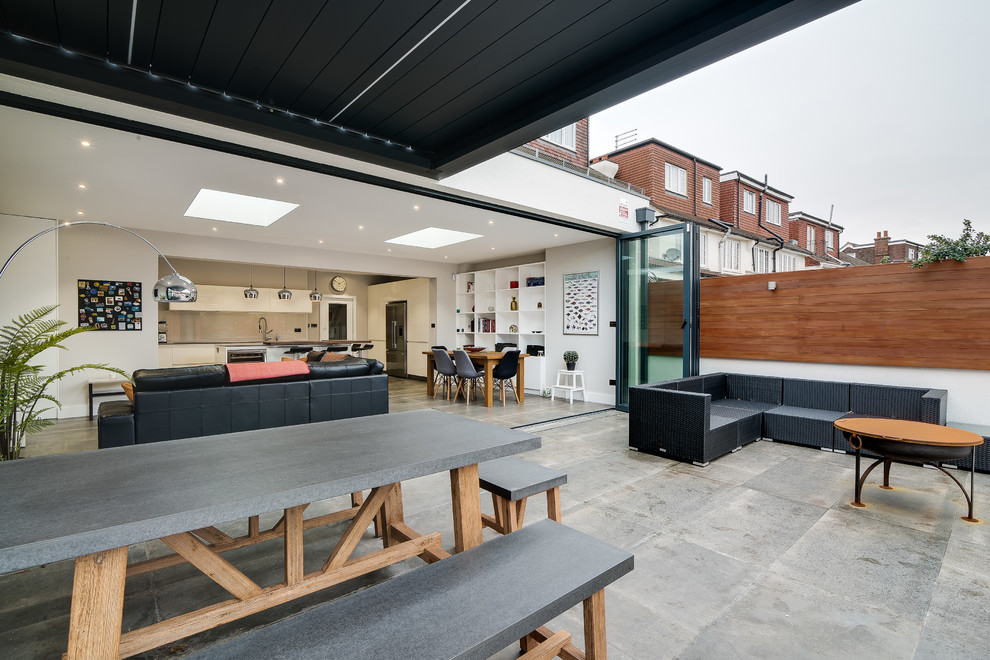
{"x": 881, "y": 108}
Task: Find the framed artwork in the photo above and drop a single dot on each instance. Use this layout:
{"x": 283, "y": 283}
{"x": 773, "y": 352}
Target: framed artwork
{"x": 105, "y": 305}
{"x": 581, "y": 303}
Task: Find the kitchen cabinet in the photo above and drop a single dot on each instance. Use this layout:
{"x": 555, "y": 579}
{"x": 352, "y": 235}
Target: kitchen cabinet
{"x": 190, "y": 355}
{"x": 208, "y": 299}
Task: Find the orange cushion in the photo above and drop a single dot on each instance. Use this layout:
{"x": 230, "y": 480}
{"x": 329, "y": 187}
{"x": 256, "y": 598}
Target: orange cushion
{"x": 128, "y": 390}
{"x": 334, "y": 357}
{"x": 242, "y": 371}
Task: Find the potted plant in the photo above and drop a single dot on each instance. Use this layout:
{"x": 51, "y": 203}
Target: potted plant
{"x": 23, "y": 385}
{"x": 570, "y": 358}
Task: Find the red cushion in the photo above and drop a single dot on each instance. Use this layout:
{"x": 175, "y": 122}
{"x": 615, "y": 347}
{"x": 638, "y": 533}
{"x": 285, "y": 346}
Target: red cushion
{"x": 241, "y": 371}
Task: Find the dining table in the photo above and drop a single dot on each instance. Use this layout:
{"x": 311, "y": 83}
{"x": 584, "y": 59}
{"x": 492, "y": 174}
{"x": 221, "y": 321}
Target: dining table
{"x": 90, "y": 506}
{"x": 488, "y": 359}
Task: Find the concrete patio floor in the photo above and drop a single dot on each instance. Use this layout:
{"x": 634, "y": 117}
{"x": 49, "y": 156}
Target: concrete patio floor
{"x": 759, "y": 555}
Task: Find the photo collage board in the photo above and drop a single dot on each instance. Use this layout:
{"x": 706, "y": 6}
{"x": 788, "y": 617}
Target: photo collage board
{"x": 105, "y": 305}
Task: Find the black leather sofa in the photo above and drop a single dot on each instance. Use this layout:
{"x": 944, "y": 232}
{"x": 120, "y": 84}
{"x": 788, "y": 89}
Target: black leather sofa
{"x": 700, "y": 418}
{"x": 186, "y": 402}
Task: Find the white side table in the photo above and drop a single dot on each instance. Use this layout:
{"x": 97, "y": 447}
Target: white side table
{"x": 568, "y": 381}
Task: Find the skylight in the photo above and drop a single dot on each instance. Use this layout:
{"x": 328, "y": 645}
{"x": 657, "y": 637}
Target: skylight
{"x": 433, "y": 237}
{"x": 231, "y": 207}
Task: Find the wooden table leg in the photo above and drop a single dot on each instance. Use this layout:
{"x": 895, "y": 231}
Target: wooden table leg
{"x": 391, "y": 513}
{"x": 97, "y": 605}
{"x": 429, "y": 375}
{"x": 294, "y": 570}
{"x": 594, "y": 627}
{"x": 489, "y": 385}
{"x": 465, "y": 492}
{"x": 521, "y": 380}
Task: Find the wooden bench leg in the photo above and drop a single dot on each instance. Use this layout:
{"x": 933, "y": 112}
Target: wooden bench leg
{"x": 391, "y": 512}
{"x": 549, "y": 649}
{"x": 553, "y": 504}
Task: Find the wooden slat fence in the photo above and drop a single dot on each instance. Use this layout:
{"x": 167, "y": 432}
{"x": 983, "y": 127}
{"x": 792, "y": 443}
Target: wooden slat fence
{"x": 875, "y": 315}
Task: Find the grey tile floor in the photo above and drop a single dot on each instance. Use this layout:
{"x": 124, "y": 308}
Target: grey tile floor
{"x": 759, "y": 555}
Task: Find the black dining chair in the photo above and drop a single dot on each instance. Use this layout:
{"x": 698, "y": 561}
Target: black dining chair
{"x": 446, "y": 372}
{"x": 505, "y": 371}
{"x": 466, "y": 373}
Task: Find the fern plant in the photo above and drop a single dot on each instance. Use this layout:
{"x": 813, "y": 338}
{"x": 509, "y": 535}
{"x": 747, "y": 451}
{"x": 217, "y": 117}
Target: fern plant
{"x": 23, "y": 396}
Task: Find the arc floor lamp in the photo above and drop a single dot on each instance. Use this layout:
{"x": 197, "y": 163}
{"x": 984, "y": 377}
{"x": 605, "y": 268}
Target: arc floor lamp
{"x": 171, "y": 288}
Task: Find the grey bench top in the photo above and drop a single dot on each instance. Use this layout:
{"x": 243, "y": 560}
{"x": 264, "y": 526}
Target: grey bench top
{"x": 65, "y": 506}
{"x": 514, "y": 478}
{"x": 470, "y": 605}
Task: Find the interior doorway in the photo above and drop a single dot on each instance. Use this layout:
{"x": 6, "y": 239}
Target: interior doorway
{"x": 337, "y": 318}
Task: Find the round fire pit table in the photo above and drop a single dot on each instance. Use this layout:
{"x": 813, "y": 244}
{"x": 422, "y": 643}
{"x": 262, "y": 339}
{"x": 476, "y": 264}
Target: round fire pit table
{"x": 910, "y": 442}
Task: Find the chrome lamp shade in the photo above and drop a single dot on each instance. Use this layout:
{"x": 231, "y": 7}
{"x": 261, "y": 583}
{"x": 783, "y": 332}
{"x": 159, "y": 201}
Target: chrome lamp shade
{"x": 315, "y": 295}
{"x": 251, "y": 293}
{"x": 175, "y": 288}
{"x": 285, "y": 294}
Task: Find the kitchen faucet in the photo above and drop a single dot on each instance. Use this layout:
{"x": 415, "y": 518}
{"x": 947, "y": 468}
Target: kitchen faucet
{"x": 266, "y": 331}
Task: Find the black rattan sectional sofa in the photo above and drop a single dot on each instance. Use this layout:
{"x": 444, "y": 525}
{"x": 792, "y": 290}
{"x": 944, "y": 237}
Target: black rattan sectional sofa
{"x": 186, "y": 402}
{"x": 700, "y": 418}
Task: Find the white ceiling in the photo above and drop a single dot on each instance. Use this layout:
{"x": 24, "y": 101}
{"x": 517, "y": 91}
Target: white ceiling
{"x": 147, "y": 183}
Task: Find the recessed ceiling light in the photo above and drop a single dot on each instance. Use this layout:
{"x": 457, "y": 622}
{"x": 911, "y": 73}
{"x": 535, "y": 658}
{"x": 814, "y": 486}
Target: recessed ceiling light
{"x": 433, "y": 237}
{"x": 321, "y": 241}
{"x": 80, "y": 213}
{"x": 214, "y": 229}
{"x": 279, "y": 180}
{"x": 360, "y": 226}
{"x": 556, "y": 235}
{"x": 86, "y": 143}
{"x": 82, "y": 186}
{"x": 415, "y": 207}
{"x": 390, "y": 249}
{"x": 493, "y": 247}
{"x": 491, "y": 222}
{"x": 231, "y": 207}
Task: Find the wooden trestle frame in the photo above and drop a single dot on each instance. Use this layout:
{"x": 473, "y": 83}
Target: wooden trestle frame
{"x": 99, "y": 580}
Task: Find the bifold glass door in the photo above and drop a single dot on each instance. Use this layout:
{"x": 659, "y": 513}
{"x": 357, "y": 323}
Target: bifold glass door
{"x": 658, "y": 279}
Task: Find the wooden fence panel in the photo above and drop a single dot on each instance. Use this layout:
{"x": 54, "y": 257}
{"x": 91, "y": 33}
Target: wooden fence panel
{"x": 888, "y": 314}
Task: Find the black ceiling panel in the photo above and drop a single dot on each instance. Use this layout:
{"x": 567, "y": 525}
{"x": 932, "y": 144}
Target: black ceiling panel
{"x": 32, "y": 19}
{"x": 181, "y": 29}
{"x": 118, "y": 29}
{"x": 497, "y": 74}
{"x": 278, "y": 35}
{"x": 86, "y": 26}
{"x": 230, "y": 32}
{"x": 141, "y": 53}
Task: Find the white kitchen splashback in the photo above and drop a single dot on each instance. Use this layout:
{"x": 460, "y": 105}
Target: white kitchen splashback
{"x": 233, "y": 326}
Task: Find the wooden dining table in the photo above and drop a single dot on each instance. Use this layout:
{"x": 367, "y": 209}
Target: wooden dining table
{"x": 91, "y": 506}
{"x": 490, "y": 359}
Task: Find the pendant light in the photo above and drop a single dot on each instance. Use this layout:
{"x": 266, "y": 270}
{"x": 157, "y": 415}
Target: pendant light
{"x": 284, "y": 294}
{"x": 251, "y": 293}
{"x": 314, "y": 295}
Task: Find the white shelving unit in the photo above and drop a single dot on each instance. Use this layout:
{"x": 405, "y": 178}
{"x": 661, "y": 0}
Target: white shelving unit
{"x": 485, "y": 317}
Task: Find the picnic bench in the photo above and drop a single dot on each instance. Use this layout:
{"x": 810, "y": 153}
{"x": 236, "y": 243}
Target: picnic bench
{"x": 470, "y": 605}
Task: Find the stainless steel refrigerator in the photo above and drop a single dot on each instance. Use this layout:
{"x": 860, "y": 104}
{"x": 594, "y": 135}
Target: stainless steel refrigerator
{"x": 395, "y": 339}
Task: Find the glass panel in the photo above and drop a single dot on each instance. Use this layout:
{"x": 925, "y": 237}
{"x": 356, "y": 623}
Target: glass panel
{"x": 338, "y": 321}
{"x": 654, "y": 276}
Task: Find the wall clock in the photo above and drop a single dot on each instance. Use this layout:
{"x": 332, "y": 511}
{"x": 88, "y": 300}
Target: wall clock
{"x": 338, "y": 284}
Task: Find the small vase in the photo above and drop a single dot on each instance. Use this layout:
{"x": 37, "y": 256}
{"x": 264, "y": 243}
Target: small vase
{"x": 513, "y": 305}
{"x": 570, "y": 366}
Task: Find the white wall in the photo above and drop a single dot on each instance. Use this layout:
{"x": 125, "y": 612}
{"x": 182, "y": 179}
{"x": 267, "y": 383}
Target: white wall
{"x": 31, "y": 279}
{"x": 967, "y": 400}
{"x": 516, "y": 180}
{"x": 597, "y": 353}
{"x": 90, "y": 253}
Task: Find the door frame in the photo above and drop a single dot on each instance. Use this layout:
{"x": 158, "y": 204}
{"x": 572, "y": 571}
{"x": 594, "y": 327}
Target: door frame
{"x": 692, "y": 288}
{"x": 351, "y": 302}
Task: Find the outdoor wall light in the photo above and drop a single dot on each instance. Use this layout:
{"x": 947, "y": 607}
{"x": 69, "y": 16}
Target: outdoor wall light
{"x": 771, "y": 286}
{"x": 171, "y": 288}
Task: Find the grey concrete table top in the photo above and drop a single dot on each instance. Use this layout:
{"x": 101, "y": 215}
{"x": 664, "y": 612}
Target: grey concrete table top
{"x": 65, "y": 506}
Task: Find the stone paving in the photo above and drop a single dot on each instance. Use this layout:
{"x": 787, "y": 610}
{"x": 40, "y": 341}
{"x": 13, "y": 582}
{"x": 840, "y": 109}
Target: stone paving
{"x": 759, "y": 555}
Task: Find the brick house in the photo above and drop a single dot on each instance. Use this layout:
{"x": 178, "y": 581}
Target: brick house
{"x": 749, "y": 205}
{"x": 569, "y": 144}
{"x": 676, "y": 181}
{"x": 820, "y": 237}
{"x": 896, "y": 251}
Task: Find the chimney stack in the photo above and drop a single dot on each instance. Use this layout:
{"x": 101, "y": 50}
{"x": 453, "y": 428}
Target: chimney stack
{"x": 880, "y": 247}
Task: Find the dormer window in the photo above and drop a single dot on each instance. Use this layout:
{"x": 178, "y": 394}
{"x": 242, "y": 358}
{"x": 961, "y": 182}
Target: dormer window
{"x": 565, "y": 137}
{"x": 749, "y": 201}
